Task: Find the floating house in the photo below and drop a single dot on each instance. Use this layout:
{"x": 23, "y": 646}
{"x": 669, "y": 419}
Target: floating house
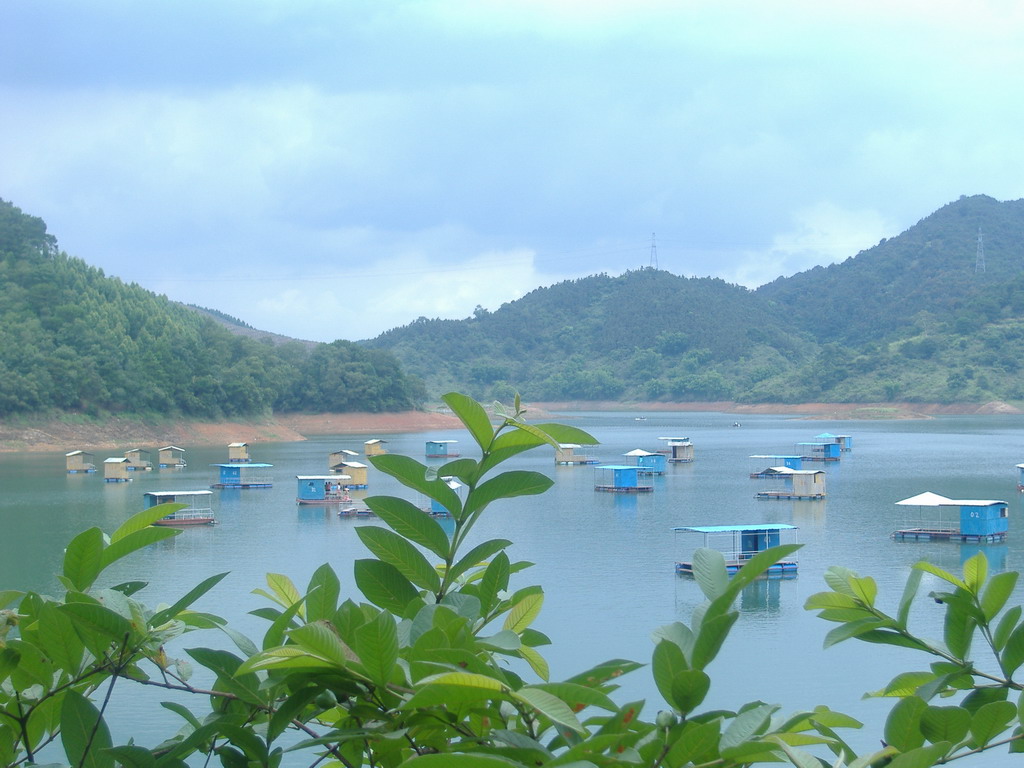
{"x": 738, "y": 543}
{"x": 115, "y": 470}
{"x": 243, "y": 475}
{"x": 441, "y": 449}
{"x": 679, "y": 449}
{"x": 1020, "y": 476}
{"x": 374, "y": 447}
{"x": 171, "y": 456}
{"x": 929, "y": 516}
{"x": 775, "y": 460}
{"x": 336, "y": 458}
{"x": 650, "y": 463}
{"x": 817, "y": 451}
{"x": 805, "y": 484}
{"x": 238, "y": 453}
{"x": 436, "y": 509}
{"x": 565, "y": 453}
{"x": 620, "y": 478}
{"x": 322, "y": 489}
{"x": 138, "y": 460}
{"x": 198, "y": 507}
{"x": 79, "y": 461}
{"x": 845, "y": 441}
{"x": 355, "y": 471}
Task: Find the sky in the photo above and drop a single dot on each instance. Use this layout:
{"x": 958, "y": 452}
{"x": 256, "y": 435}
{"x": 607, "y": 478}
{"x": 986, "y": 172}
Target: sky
{"x": 334, "y": 169}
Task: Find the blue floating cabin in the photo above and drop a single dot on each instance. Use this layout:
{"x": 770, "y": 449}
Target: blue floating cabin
{"x": 620, "y": 478}
{"x": 355, "y": 471}
{"x": 437, "y": 509}
{"x": 336, "y": 458}
{"x": 738, "y": 543}
{"x": 374, "y": 447}
{"x": 238, "y": 453}
{"x": 931, "y": 517}
{"x": 1020, "y": 477}
{"x": 803, "y": 484}
{"x": 819, "y": 451}
{"x": 79, "y": 462}
{"x": 198, "y": 507}
{"x": 243, "y": 475}
{"x": 322, "y": 489}
{"x": 845, "y": 441}
{"x": 679, "y": 449}
{"x": 650, "y": 463}
{"x": 171, "y": 456}
{"x": 115, "y": 469}
{"x": 442, "y": 449}
{"x": 775, "y": 460}
{"x": 566, "y": 454}
{"x": 138, "y": 460}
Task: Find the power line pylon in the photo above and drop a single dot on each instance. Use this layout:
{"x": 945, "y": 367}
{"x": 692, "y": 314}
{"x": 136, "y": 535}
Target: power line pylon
{"x": 654, "y": 253}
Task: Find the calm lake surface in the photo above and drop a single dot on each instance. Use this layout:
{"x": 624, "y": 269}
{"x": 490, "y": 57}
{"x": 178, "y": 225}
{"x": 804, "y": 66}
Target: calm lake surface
{"x": 605, "y": 560}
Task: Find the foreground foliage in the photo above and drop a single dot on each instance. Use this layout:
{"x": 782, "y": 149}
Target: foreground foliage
{"x": 439, "y": 663}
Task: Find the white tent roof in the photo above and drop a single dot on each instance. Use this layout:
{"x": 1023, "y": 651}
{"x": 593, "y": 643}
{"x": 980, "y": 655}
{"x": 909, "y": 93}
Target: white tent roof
{"x": 926, "y": 499}
{"x": 639, "y": 452}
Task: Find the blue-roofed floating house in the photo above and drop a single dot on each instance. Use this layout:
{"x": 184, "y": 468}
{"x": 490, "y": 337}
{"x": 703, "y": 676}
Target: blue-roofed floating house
{"x": 738, "y": 543}
{"x": 929, "y": 516}
{"x": 845, "y": 441}
{"x": 650, "y": 463}
{"x": 198, "y": 508}
{"x": 804, "y": 484}
{"x": 441, "y": 449}
{"x": 326, "y": 490}
{"x": 679, "y": 449}
{"x": 243, "y": 475}
{"x": 818, "y": 451}
{"x": 566, "y": 454}
{"x": 619, "y": 478}
{"x": 775, "y": 460}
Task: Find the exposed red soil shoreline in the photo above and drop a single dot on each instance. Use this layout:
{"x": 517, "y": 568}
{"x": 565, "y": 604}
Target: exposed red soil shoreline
{"x": 124, "y": 433}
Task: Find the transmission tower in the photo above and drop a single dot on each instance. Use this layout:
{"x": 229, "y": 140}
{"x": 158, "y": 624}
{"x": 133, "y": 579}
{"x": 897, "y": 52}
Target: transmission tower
{"x": 979, "y": 260}
{"x": 654, "y": 253}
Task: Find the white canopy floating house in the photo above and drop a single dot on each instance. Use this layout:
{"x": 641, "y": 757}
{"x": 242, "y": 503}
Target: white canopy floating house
{"x": 929, "y": 516}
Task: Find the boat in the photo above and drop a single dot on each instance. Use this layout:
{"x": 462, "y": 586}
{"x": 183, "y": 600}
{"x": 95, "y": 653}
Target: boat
{"x": 739, "y": 543}
{"x": 198, "y": 509}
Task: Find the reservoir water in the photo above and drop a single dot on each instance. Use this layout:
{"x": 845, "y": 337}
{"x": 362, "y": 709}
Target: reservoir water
{"x": 604, "y": 560}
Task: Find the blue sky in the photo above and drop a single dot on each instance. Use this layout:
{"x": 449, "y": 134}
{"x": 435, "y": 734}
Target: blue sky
{"x": 335, "y": 169}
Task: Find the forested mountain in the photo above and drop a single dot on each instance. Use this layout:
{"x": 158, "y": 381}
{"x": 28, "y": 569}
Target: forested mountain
{"x": 911, "y": 319}
{"x": 73, "y": 339}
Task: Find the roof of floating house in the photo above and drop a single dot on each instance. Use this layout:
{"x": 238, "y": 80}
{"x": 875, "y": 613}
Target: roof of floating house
{"x": 178, "y": 493}
{"x": 171, "y": 448}
{"x": 243, "y": 465}
{"x": 929, "y": 499}
{"x": 776, "y": 456}
{"x": 676, "y": 439}
{"x": 332, "y": 478}
{"x": 640, "y": 452}
{"x": 740, "y": 528}
{"x": 347, "y": 452}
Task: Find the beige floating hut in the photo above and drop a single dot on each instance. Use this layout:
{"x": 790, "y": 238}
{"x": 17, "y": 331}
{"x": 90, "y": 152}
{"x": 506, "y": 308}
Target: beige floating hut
{"x": 138, "y": 460}
{"x": 565, "y": 453}
{"x": 79, "y": 461}
{"x": 336, "y": 458}
{"x": 171, "y": 456}
{"x": 374, "y": 447}
{"x": 238, "y": 453}
{"x": 115, "y": 470}
{"x": 356, "y": 470}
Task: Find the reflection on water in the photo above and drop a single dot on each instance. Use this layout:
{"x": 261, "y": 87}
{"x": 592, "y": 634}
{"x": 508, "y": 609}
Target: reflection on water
{"x": 605, "y": 560}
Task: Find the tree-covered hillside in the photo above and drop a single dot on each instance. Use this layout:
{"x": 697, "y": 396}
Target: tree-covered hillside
{"x": 910, "y": 319}
{"x": 73, "y": 339}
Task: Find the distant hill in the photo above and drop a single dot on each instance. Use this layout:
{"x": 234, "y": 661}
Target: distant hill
{"x": 912, "y": 318}
{"x": 240, "y": 328}
{"x": 74, "y": 340}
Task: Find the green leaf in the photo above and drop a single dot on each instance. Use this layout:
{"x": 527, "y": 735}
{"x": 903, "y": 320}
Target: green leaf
{"x": 183, "y": 712}
{"x": 746, "y": 724}
{"x": 58, "y": 639}
{"x": 524, "y": 612}
{"x": 698, "y": 744}
{"x": 756, "y": 566}
{"x": 377, "y": 646}
{"x": 865, "y": 589}
{"x": 477, "y": 555}
{"x": 98, "y": 619}
{"x": 83, "y": 559}
{"x": 537, "y": 662}
{"x": 945, "y": 724}
{"x": 921, "y": 757}
{"x": 975, "y": 572}
{"x": 384, "y": 585}
{"x": 84, "y": 733}
{"x": 936, "y": 571}
{"x": 461, "y": 760}
{"x": 906, "y": 684}
{"x": 133, "y": 757}
{"x": 1007, "y": 623}
{"x": 284, "y": 590}
{"x": 852, "y": 629}
{"x": 689, "y": 688}
{"x": 505, "y": 486}
{"x": 991, "y": 720}
{"x": 710, "y": 573}
{"x": 902, "y": 727}
{"x": 8, "y": 596}
{"x": 319, "y": 639}
{"x": 230, "y": 678}
{"x": 998, "y": 591}
{"x": 820, "y": 601}
{"x": 142, "y": 520}
{"x": 667, "y": 662}
{"x": 473, "y": 415}
{"x": 452, "y": 688}
{"x": 907, "y": 599}
{"x": 710, "y": 638}
{"x": 494, "y": 581}
{"x": 1013, "y": 654}
{"x": 397, "y": 551}
{"x": 550, "y": 706}
{"x": 161, "y": 617}
{"x": 9, "y": 658}
{"x": 578, "y": 696}
{"x": 407, "y": 520}
{"x": 289, "y": 710}
{"x": 322, "y": 593}
{"x": 135, "y": 541}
